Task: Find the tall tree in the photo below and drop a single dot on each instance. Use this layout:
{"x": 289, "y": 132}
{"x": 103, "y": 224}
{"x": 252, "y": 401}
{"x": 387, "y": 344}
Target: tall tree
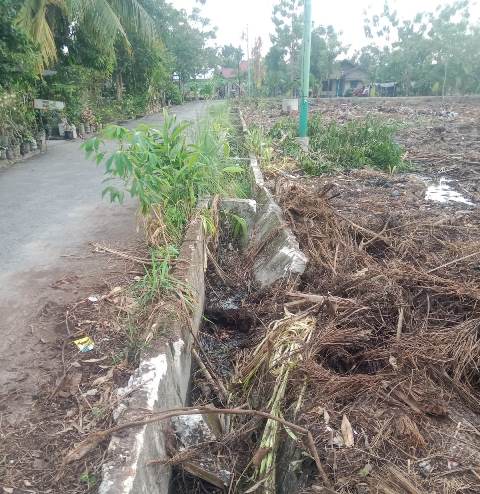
{"x": 18, "y": 55}
{"x": 326, "y": 47}
{"x": 432, "y": 52}
{"x": 104, "y": 20}
{"x": 230, "y": 56}
{"x": 287, "y": 39}
{"x": 258, "y": 67}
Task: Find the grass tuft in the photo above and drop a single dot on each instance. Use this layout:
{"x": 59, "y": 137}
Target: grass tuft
{"x": 334, "y": 146}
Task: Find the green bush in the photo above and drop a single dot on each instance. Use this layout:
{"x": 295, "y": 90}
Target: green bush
{"x": 356, "y": 144}
{"x": 285, "y": 131}
{"x": 163, "y": 171}
{"x": 173, "y": 95}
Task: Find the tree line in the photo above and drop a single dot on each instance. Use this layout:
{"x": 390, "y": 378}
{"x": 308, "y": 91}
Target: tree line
{"x": 106, "y": 59}
{"x": 113, "y": 59}
{"x": 431, "y": 54}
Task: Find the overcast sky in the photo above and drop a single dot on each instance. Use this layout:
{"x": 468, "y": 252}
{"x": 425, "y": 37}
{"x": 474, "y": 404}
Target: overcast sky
{"x": 232, "y": 16}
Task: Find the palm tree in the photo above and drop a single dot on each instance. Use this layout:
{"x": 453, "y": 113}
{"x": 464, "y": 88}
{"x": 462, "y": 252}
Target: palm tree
{"x": 103, "y": 20}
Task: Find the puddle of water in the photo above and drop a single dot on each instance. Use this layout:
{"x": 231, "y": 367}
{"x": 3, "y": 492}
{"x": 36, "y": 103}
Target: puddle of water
{"x": 443, "y": 193}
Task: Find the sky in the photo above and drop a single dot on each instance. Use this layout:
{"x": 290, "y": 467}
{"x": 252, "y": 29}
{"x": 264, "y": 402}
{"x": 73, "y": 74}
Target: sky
{"x": 232, "y": 16}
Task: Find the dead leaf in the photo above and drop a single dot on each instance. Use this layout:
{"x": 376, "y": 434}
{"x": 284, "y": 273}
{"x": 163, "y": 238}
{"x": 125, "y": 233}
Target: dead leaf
{"x": 436, "y": 409}
{"x": 332, "y": 307}
{"x": 68, "y": 385}
{"x": 260, "y": 455}
{"x": 114, "y": 291}
{"x": 408, "y": 430}
{"x": 103, "y": 379}
{"x": 393, "y": 362}
{"x": 347, "y": 432}
{"x": 93, "y": 360}
{"x": 365, "y": 470}
{"x": 83, "y": 448}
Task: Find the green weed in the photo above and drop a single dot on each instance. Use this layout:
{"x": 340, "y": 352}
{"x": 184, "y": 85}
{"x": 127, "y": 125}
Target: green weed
{"x": 239, "y": 227}
{"x": 89, "y": 479}
{"x": 260, "y": 144}
{"x": 284, "y": 132}
{"x": 356, "y": 144}
{"x": 333, "y": 146}
{"x": 166, "y": 173}
{"x": 158, "y": 277}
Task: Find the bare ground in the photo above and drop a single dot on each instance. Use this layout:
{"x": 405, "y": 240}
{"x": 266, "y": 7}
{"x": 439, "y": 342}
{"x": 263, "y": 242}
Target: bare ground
{"x": 56, "y": 285}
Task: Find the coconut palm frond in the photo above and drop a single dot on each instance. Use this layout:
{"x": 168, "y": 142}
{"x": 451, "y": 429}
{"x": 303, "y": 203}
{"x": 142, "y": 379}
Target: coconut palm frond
{"x": 104, "y": 20}
{"x": 100, "y": 20}
{"x": 32, "y": 18}
{"x": 134, "y": 17}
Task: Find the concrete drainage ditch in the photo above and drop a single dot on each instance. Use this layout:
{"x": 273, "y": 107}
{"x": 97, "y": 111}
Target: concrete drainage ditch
{"x": 162, "y": 379}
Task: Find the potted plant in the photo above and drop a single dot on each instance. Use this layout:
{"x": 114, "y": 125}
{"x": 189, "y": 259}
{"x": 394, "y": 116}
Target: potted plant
{"x": 3, "y": 153}
{"x": 33, "y": 144}
{"x": 10, "y": 154}
{"x": 89, "y": 120}
{"x": 41, "y": 139}
{"x": 25, "y": 145}
{"x": 15, "y": 146}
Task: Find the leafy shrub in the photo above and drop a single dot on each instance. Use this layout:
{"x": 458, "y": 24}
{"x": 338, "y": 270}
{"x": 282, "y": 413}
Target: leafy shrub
{"x": 355, "y": 144}
{"x": 360, "y": 143}
{"x": 285, "y": 132}
{"x": 165, "y": 173}
{"x": 173, "y": 95}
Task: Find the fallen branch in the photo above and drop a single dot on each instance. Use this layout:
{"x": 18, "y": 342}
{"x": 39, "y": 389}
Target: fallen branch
{"x": 375, "y": 235}
{"x": 120, "y": 254}
{"x": 214, "y": 381}
{"x": 453, "y": 262}
{"x": 220, "y": 273}
{"x": 321, "y": 299}
{"x": 378, "y": 235}
{"x": 400, "y": 322}
{"x": 93, "y": 440}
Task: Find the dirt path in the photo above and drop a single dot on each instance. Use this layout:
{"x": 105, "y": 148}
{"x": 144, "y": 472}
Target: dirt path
{"x": 51, "y": 210}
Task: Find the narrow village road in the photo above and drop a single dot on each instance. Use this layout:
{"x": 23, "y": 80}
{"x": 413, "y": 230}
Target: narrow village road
{"x": 50, "y": 211}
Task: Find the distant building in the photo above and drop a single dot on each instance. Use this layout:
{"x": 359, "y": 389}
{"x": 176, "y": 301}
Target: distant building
{"x": 233, "y": 80}
{"x": 344, "y": 80}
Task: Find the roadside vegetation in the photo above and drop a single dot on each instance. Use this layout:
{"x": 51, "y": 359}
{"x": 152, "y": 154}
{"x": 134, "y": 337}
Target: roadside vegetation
{"x": 168, "y": 170}
{"x": 333, "y": 146}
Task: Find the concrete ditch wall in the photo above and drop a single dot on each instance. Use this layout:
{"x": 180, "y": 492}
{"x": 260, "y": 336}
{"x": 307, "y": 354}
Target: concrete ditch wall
{"x": 161, "y": 382}
{"x": 163, "y": 377}
{"x": 276, "y": 250}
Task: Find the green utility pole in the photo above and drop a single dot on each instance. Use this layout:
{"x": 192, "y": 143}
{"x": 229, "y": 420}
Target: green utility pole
{"x": 307, "y": 45}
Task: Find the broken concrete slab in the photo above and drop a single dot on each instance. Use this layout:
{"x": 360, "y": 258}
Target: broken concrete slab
{"x": 245, "y": 208}
{"x": 276, "y": 250}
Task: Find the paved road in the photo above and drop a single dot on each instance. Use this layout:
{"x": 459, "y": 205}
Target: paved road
{"x": 50, "y": 211}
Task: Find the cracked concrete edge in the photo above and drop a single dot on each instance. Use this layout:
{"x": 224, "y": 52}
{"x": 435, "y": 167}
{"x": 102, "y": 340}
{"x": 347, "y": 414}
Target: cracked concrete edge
{"x": 161, "y": 382}
{"x": 278, "y": 251}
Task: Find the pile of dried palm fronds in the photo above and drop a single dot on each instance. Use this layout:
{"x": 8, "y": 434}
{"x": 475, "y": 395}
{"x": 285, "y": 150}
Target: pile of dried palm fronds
{"x": 401, "y": 363}
{"x": 374, "y": 350}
